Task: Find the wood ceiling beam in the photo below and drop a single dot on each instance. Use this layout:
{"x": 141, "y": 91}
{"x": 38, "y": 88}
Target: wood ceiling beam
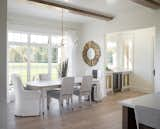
{"x": 154, "y": 4}
{"x": 76, "y": 9}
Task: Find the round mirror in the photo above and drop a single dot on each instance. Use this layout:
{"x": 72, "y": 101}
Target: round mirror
{"x": 91, "y": 53}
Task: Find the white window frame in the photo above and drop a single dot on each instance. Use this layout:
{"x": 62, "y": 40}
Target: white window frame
{"x": 29, "y": 44}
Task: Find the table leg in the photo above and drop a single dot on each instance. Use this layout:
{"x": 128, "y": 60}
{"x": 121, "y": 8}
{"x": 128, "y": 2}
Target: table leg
{"x": 128, "y": 120}
{"x": 44, "y": 105}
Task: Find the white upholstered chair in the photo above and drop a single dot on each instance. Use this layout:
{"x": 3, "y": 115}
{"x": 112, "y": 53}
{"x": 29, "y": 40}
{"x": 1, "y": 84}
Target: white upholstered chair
{"x": 27, "y": 102}
{"x": 85, "y": 88}
{"x": 148, "y": 117}
{"x": 45, "y": 77}
{"x": 66, "y": 92}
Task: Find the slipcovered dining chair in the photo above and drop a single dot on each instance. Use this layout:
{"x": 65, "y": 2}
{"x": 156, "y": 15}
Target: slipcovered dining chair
{"x": 85, "y": 89}
{"x": 45, "y": 77}
{"x": 27, "y": 102}
{"x": 66, "y": 92}
{"x": 147, "y": 117}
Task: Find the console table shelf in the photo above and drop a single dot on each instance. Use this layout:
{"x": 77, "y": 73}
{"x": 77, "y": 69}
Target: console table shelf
{"x": 117, "y": 80}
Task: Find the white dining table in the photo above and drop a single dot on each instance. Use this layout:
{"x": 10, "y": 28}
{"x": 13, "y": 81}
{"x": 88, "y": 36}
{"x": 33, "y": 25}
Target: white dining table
{"x": 44, "y": 86}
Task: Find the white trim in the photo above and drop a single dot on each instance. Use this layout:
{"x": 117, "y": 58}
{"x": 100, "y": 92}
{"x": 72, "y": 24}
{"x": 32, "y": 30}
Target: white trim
{"x": 17, "y": 43}
{"x": 157, "y": 61}
{"x": 3, "y": 66}
{"x": 29, "y": 59}
{"x": 49, "y": 57}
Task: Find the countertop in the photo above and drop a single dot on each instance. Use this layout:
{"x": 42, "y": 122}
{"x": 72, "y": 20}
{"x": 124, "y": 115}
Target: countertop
{"x": 149, "y": 100}
{"x": 119, "y": 71}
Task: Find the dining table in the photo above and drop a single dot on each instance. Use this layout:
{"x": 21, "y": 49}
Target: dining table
{"x": 44, "y": 86}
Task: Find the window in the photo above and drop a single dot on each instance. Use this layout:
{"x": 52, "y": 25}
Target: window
{"x": 56, "y": 55}
{"x": 32, "y": 54}
{"x": 39, "y": 39}
{"x": 56, "y": 40}
{"x": 119, "y": 51}
{"x": 17, "y": 62}
{"x": 111, "y": 55}
{"x": 128, "y": 54}
{"x": 17, "y": 55}
{"x": 38, "y": 60}
{"x": 17, "y": 37}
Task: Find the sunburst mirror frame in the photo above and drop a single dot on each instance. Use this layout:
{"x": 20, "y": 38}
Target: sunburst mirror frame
{"x": 96, "y": 48}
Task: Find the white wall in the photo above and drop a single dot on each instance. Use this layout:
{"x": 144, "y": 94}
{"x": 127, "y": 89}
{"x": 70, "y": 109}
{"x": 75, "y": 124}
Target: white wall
{"x": 157, "y": 60}
{"x": 3, "y": 63}
{"x": 144, "y": 60}
{"x": 89, "y": 33}
{"x": 96, "y": 31}
{"x": 35, "y": 24}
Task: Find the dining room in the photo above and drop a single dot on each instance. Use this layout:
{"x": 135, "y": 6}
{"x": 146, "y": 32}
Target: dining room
{"x": 43, "y": 66}
{"x": 79, "y": 64}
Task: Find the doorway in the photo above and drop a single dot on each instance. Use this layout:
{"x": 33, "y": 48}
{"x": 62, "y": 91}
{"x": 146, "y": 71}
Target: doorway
{"x": 133, "y": 50}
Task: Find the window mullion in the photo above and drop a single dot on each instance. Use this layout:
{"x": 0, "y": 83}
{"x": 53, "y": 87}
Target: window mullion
{"x": 29, "y": 59}
{"x": 49, "y": 57}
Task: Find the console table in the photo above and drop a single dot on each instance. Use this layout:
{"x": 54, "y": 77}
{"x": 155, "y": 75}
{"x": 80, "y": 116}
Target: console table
{"x": 119, "y": 79}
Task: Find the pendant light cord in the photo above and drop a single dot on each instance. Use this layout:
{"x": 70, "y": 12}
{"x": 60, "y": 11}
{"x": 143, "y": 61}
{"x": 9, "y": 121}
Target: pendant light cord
{"x": 62, "y": 27}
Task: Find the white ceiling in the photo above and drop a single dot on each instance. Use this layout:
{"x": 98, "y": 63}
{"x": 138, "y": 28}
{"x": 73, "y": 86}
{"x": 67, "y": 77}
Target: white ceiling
{"x": 113, "y": 7}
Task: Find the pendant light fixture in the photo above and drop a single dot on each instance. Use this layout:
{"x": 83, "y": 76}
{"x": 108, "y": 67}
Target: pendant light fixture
{"x": 62, "y": 37}
{"x": 62, "y": 28}
{"x": 60, "y": 42}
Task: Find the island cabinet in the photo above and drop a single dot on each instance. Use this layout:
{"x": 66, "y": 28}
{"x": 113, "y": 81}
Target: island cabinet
{"x": 128, "y": 109}
{"x": 117, "y": 81}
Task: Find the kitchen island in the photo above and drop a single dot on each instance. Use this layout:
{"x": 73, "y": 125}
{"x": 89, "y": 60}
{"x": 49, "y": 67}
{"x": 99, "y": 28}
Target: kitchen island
{"x": 128, "y": 106}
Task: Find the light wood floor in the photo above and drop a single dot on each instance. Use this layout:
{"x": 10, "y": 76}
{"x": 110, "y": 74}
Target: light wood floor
{"x": 103, "y": 115}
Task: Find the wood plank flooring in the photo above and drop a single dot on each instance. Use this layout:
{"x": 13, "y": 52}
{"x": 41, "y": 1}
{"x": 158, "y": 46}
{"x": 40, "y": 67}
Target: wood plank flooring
{"x": 103, "y": 115}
